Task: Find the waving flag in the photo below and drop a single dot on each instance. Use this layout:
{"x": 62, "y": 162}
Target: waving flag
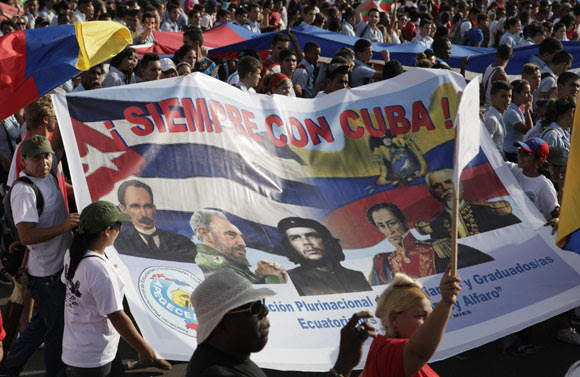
{"x": 33, "y": 62}
{"x": 8, "y": 11}
{"x": 569, "y": 227}
{"x": 167, "y": 42}
{"x": 382, "y": 5}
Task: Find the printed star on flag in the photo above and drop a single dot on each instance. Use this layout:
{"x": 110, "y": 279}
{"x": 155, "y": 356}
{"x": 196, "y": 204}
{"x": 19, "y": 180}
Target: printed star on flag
{"x": 95, "y": 159}
{"x": 105, "y": 162}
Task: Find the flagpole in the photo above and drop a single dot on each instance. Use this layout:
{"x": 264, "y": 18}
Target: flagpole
{"x": 455, "y": 208}
{"x": 456, "y": 185}
{"x": 455, "y": 213}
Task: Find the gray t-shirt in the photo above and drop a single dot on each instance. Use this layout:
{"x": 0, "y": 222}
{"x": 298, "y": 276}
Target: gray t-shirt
{"x": 45, "y": 258}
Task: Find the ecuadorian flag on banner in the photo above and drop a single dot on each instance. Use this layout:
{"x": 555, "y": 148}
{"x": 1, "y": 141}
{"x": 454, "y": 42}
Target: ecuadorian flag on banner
{"x": 33, "y": 62}
{"x": 569, "y": 227}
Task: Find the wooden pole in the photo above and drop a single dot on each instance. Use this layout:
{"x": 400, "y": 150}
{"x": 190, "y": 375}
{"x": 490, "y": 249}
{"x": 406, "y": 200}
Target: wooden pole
{"x": 455, "y": 213}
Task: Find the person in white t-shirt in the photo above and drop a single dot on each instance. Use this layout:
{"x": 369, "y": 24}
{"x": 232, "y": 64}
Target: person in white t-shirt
{"x": 532, "y": 154}
{"x": 94, "y": 316}
{"x": 44, "y": 226}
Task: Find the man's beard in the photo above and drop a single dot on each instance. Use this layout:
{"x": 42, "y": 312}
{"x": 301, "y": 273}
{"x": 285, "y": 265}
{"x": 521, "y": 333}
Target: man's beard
{"x": 447, "y": 199}
{"x": 239, "y": 258}
{"x": 233, "y": 254}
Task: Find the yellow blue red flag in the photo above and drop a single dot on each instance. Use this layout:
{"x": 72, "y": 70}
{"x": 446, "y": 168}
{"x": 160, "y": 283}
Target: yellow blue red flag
{"x": 33, "y": 62}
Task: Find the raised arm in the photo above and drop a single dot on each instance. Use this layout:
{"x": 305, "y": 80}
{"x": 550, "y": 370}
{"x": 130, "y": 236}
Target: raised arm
{"x": 360, "y": 8}
{"x": 426, "y": 338}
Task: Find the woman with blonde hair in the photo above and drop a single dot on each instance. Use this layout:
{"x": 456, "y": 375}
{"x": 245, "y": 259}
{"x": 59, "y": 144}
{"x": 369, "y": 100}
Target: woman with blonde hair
{"x": 278, "y": 83}
{"x": 413, "y": 329}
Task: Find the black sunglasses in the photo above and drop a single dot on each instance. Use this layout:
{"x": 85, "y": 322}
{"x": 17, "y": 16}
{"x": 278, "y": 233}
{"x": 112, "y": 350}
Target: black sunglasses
{"x": 525, "y": 152}
{"x": 254, "y": 309}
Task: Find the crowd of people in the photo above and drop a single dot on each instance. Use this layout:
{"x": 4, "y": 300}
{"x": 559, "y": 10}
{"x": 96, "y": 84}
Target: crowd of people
{"x": 529, "y": 119}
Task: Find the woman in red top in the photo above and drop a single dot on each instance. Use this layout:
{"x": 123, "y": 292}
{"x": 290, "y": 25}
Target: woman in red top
{"x": 413, "y": 329}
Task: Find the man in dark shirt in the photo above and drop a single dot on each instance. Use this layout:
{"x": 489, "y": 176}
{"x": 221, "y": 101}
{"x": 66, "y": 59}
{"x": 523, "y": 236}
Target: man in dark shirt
{"x": 233, "y": 324}
{"x": 144, "y": 239}
{"x": 311, "y": 245}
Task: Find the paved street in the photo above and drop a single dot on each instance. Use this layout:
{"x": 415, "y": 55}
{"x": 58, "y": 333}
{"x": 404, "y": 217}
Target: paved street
{"x": 486, "y": 361}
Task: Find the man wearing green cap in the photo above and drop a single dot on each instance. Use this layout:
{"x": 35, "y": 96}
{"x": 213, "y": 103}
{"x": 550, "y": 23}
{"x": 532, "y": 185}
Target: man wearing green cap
{"x": 47, "y": 234}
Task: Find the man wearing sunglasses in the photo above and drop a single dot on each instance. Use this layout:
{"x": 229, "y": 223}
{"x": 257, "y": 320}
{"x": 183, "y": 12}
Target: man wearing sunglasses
{"x": 233, "y": 324}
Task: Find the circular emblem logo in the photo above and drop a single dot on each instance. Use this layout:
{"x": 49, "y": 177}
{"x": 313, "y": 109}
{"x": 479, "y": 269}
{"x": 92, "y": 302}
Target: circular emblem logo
{"x": 166, "y": 291}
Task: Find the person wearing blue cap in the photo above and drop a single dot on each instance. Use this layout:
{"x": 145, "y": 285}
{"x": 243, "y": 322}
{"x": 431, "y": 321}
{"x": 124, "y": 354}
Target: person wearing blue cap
{"x": 532, "y": 154}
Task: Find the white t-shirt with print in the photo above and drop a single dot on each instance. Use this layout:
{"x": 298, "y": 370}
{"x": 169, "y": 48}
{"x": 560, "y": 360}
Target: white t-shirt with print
{"x": 95, "y": 291}
{"x": 539, "y": 189}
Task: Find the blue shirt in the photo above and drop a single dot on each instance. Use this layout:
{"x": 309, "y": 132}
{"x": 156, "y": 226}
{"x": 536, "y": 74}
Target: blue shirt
{"x": 512, "y": 116}
{"x": 535, "y": 60}
{"x": 361, "y": 74}
{"x": 363, "y": 30}
{"x": 556, "y": 137}
{"x": 252, "y": 26}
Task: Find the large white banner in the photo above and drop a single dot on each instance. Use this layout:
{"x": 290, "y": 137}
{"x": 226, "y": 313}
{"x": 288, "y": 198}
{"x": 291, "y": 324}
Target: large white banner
{"x": 323, "y": 200}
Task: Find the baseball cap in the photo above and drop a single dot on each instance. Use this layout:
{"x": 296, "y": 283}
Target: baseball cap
{"x": 536, "y": 146}
{"x": 35, "y": 145}
{"x": 167, "y": 64}
{"x": 99, "y": 215}
{"x": 217, "y": 295}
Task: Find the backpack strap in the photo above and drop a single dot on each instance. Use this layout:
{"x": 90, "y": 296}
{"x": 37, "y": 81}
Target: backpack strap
{"x": 546, "y": 131}
{"x": 364, "y": 31}
{"x": 306, "y": 69}
{"x": 37, "y": 193}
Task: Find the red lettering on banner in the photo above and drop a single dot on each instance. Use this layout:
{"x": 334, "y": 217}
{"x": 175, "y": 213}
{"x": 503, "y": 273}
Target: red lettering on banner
{"x": 396, "y": 119}
{"x": 251, "y": 126}
{"x": 344, "y": 118}
{"x": 370, "y": 127}
{"x": 315, "y": 131}
{"x": 218, "y": 114}
{"x": 196, "y": 115}
{"x": 171, "y": 109}
{"x": 136, "y": 115}
{"x": 235, "y": 117}
{"x": 116, "y": 137}
{"x": 159, "y": 123}
{"x": 292, "y": 124}
{"x": 271, "y": 121}
{"x": 421, "y": 117}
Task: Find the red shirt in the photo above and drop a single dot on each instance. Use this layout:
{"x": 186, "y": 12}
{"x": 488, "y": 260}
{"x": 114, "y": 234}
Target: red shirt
{"x": 409, "y": 31}
{"x": 385, "y": 359}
